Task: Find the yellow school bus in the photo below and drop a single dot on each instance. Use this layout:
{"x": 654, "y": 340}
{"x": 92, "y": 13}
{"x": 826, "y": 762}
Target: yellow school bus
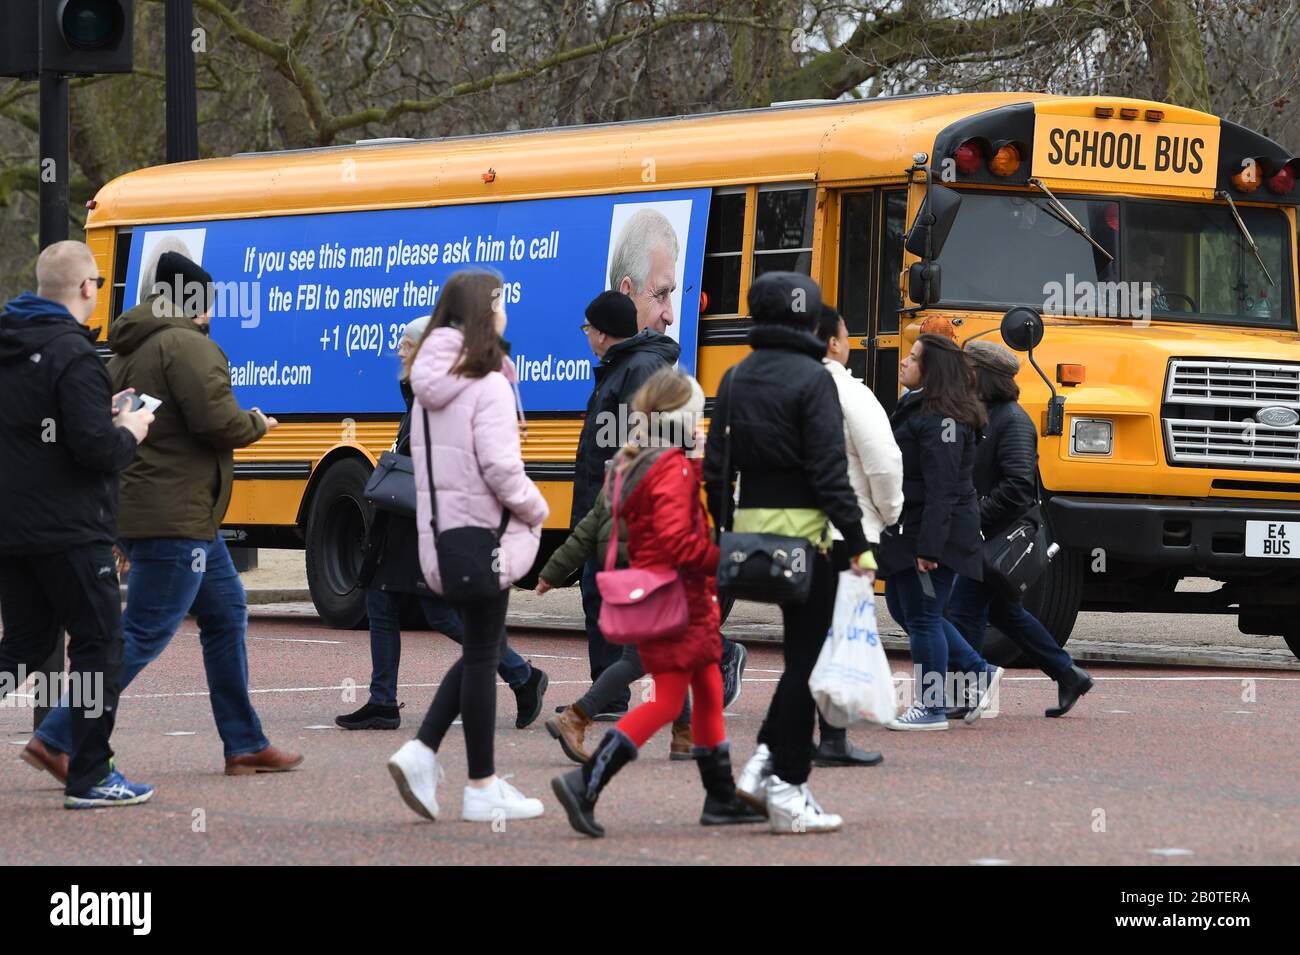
{"x": 1171, "y": 449}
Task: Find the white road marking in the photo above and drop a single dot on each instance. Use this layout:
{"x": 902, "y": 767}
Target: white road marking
{"x": 990, "y": 862}
{"x": 1170, "y": 852}
{"x": 180, "y": 733}
{"x": 294, "y": 640}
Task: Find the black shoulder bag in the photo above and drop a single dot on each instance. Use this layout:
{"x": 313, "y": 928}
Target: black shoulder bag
{"x": 391, "y": 486}
{"x": 469, "y": 558}
{"x": 1016, "y": 557}
{"x": 766, "y": 568}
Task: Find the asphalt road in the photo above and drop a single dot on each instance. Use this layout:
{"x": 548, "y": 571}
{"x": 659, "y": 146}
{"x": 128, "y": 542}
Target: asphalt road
{"x": 1158, "y": 766}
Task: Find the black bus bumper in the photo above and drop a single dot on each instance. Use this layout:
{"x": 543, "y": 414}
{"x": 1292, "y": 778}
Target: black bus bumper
{"x": 1200, "y": 534}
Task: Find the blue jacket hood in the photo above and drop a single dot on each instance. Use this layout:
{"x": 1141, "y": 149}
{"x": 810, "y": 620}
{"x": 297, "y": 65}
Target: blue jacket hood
{"x": 28, "y": 323}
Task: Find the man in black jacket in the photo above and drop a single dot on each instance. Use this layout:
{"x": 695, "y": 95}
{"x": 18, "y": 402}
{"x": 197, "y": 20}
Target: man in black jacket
{"x": 787, "y": 444}
{"x": 63, "y": 448}
{"x": 627, "y": 358}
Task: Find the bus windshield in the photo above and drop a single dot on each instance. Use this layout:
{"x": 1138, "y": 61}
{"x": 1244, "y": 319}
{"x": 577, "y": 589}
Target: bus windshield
{"x": 1186, "y": 261}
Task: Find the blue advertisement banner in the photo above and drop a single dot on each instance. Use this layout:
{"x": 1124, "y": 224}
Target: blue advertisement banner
{"x": 310, "y": 308}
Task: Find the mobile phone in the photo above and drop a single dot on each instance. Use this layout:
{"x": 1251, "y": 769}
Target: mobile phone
{"x": 150, "y": 402}
{"x": 927, "y": 587}
{"x": 128, "y": 402}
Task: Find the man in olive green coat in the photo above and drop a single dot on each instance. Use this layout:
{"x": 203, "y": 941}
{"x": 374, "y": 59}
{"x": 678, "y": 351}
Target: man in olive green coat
{"x": 173, "y": 499}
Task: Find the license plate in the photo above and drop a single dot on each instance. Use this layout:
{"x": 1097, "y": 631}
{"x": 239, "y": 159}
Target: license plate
{"x": 1273, "y": 539}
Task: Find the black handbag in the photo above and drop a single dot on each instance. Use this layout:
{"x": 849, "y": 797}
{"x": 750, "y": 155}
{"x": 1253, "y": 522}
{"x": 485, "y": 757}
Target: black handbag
{"x": 391, "y": 486}
{"x": 469, "y": 558}
{"x": 765, "y": 568}
{"x": 1017, "y": 556}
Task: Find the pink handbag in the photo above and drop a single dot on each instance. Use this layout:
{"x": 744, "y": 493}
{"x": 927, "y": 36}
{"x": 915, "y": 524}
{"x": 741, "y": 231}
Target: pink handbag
{"x": 638, "y": 603}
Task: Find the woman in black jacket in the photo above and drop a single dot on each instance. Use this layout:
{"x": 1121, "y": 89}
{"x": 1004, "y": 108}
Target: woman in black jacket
{"x": 936, "y": 425}
{"x": 1006, "y": 479}
{"x": 391, "y": 568}
{"x": 787, "y": 445}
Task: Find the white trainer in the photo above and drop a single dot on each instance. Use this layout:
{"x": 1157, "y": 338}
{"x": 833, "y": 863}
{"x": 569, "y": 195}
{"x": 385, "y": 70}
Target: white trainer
{"x": 416, "y": 771}
{"x": 792, "y": 809}
{"x": 498, "y": 800}
{"x": 751, "y": 786}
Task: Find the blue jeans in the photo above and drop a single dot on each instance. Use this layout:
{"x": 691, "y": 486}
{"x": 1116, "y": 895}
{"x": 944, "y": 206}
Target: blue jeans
{"x": 386, "y": 643}
{"x": 936, "y": 644}
{"x": 169, "y": 578}
{"x": 973, "y": 606}
{"x": 601, "y": 654}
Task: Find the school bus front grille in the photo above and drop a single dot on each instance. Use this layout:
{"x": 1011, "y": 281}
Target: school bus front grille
{"x": 1212, "y": 414}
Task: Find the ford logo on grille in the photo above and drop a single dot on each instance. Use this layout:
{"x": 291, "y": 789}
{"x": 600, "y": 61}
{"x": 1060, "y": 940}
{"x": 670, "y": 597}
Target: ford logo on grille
{"x": 1277, "y": 416}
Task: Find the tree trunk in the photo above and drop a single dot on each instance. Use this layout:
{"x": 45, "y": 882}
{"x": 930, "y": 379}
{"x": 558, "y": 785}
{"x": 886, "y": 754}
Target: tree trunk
{"x": 1177, "y": 52}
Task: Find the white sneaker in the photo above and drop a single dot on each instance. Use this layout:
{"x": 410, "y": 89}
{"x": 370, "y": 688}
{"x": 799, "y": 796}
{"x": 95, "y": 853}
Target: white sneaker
{"x": 792, "y": 809}
{"x": 417, "y": 773}
{"x": 498, "y": 800}
{"x": 751, "y": 786}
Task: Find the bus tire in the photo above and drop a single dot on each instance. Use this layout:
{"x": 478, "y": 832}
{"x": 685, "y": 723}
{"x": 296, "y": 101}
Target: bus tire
{"x": 1054, "y": 600}
{"x": 337, "y": 522}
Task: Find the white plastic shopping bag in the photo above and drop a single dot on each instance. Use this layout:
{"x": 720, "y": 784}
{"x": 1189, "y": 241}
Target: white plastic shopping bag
{"x": 851, "y": 680}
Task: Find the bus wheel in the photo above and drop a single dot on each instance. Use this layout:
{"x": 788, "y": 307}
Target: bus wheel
{"x": 1054, "y": 600}
{"x": 336, "y": 533}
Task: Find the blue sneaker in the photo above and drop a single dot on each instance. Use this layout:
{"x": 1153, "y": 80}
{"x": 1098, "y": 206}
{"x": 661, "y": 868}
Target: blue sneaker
{"x": 986, "y": 704}
{"x": 113, "y": 790}
{"x": 920, "y": 718}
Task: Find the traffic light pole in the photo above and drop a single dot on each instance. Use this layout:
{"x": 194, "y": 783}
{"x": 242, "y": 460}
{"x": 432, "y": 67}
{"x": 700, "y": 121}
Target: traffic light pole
{"x": 53, "y": 172}
{"x": 182, "y": 96}
{"x": 53, "y": 169}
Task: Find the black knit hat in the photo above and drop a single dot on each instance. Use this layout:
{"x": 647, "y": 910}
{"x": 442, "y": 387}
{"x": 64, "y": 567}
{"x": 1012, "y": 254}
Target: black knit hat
{"x": 786, "y": 298}
{"x": 187, "y": 284}
{"x": 613, "y": 313}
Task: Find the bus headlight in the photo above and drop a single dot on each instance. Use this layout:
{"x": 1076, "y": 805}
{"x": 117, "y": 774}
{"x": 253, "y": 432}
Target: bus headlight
{"x": 1091, "y": 435}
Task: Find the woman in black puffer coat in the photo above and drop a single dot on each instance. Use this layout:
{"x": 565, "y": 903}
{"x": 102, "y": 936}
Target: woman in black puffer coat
{"x": 1006, "y": 480}
{"x": 936, "y": 425}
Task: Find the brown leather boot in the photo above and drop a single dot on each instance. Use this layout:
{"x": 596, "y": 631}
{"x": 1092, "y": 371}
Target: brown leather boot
{"x": 681, "y": 745}
{"x": 570, "y": 728}
{"x": 269, "y": 760}
{"x": 39, "y": 756}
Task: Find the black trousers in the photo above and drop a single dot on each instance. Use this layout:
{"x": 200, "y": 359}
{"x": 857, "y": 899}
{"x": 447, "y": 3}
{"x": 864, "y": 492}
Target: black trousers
{"x": 76, "y": 591}
{"x": 469, "y": 690}
{"x": 788, "y": 728}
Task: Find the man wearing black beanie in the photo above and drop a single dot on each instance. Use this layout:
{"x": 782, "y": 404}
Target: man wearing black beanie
{"x": 787, "y": 443}
{"x": 627, "y": 358}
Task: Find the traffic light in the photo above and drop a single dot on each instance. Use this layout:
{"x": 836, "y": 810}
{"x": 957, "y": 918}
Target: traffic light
{"x": 72, "y": 37}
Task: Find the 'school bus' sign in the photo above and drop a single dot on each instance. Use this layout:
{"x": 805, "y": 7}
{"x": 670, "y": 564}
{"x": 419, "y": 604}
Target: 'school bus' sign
{"x": 1118, "y": 150}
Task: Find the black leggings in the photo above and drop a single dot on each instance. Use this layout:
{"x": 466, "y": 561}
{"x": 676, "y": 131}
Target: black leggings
{"x": 788, "y": 728}
{"x": 469, "y": 688}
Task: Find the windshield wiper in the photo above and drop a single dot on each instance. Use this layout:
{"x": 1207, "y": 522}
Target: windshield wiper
{"x": 1068, "y": 218}
{"x": 1250, "y": 241}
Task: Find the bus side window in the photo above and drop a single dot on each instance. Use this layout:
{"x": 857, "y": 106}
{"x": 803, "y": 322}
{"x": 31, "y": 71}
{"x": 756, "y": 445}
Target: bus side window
{"x": 722, "y": 252}
{"x": 889, "y": 300}
{"x": 783, "y": 231}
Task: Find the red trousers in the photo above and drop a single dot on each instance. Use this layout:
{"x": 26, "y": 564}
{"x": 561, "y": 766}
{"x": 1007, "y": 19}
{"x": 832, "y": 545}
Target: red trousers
{"x": 707, "y": 728}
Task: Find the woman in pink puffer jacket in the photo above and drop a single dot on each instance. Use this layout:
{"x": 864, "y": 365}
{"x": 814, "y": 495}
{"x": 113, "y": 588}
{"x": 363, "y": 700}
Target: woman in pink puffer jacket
{"x": 466, "y": 404}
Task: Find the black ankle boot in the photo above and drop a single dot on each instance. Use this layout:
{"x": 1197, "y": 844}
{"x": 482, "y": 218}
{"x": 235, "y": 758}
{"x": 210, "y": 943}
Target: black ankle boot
{"x": 722, "y": 807}
{"x": 578, "y": 790}
{"x": 1068, "y": 690}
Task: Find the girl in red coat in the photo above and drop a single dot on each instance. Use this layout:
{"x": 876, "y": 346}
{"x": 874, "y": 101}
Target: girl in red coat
{"x": 667, "y": 526}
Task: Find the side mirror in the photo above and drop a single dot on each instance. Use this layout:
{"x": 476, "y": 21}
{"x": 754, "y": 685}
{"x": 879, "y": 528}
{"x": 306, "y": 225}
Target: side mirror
{"x": 923, "y": 282}
{"x": 1022, "y": 328}
{"x": 933, "y": 221}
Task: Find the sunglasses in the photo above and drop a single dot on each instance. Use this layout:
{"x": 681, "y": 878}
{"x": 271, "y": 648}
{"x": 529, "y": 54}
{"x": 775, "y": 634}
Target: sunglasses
{"x": 98, "y": 280}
